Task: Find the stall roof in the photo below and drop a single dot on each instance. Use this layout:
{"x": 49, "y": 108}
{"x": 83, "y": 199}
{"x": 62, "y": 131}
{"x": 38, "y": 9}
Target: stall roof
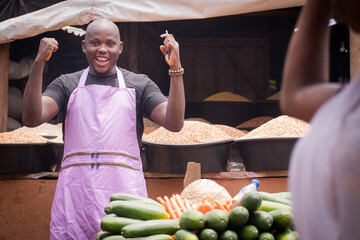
{"x": 39, "y": 18}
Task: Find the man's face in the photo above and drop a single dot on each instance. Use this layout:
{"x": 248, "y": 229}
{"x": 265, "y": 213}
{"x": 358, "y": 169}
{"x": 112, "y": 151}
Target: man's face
{"x": 102, "y": 47}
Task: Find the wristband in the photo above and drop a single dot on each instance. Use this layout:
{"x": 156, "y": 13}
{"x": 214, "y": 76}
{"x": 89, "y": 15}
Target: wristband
{"x": 177, "y": 72}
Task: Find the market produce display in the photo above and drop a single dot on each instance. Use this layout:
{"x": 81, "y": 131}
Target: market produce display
{"x": 257, "y": 215}
{"x": 130, "y": 216}
{"x": 192, "y": 132}
{"x": 282, "y": 126}
{"x": 21, "y": 137}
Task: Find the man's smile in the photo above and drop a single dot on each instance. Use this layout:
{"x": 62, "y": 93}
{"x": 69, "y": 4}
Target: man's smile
{"x": 101, "y": 60}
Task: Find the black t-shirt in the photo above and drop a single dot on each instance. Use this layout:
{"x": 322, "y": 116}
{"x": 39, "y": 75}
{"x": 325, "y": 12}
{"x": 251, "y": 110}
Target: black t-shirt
{"x": 148, "y": 94}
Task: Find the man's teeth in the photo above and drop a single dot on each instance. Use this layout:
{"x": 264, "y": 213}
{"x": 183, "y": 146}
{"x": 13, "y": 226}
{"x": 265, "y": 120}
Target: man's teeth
{"x": 101, "y": 58}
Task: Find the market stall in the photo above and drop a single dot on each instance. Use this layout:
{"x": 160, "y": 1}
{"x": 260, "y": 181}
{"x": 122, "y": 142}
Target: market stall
{"x": 32, "y": 189}
{"x": 29, "y": 169}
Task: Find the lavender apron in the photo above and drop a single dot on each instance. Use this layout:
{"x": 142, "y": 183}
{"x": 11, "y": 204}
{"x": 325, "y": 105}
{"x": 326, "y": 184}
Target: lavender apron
{"x": 101, "y": 157}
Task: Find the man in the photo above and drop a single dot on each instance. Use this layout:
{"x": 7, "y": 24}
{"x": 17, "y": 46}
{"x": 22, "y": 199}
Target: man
{"x": 103, "y": 125}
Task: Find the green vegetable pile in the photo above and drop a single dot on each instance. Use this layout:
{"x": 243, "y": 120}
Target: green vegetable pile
{"x": 133, "y": 217}
{"x": 258, "y": 215}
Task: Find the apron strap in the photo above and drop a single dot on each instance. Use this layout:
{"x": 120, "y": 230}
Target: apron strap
{"x": 120, "y": 77}
{"x": 98, "y": 164}
{"x": 96, "y": 154}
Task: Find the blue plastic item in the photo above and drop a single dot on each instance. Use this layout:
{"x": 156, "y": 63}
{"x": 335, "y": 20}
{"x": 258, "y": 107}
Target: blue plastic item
{"x": 253, "y": 186}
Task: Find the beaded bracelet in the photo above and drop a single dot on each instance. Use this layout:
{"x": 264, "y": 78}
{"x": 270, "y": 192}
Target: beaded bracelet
{"x": 177, "y": 72}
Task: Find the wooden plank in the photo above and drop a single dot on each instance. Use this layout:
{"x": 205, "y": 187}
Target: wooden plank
{"x": 193, "y": 173}
{"x": 4, "y": 85}
{"x": 133, "y": 55}
{"x": 354, "y": 54}
{"x": 223, "y": 175}
{"x": 243, "y": 73}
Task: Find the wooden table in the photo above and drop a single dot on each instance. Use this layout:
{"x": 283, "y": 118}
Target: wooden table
{"x": 25, "y": 200}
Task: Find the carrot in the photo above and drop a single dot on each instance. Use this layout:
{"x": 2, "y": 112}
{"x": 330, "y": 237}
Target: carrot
{"x": 225, "y": 206}
{"x": 161, "y": 201}
{"x": 175, "y": 207}
{"x": 206, "y": 198}
{"x": 201, "y": 208}
{"x": 207, "y": 206}
{"x": 187, "y": 204}
{"x": 180, "y": 203}
{"x": 169, "y": 208}
{"x": 232, "y": 203}
{"x": 228, "y": 203}
{"x": 218, "y": 205}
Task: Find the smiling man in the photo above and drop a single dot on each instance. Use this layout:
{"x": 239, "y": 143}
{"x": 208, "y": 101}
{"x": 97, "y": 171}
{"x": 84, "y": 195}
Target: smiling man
{"x": 102, "y": 58}
{"x": 103, "y": 107}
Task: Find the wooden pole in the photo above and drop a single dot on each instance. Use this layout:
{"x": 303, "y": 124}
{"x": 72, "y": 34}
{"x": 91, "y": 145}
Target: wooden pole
{"x": 354, "y": 54}
{"x": 4, "y": 85}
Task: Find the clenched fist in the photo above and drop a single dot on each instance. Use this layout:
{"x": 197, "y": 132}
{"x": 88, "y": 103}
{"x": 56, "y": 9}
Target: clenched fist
{"x": 46, "y": 48}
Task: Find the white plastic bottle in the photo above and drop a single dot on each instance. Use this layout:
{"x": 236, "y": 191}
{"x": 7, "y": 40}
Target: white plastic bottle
{"x": 253, "y": 186}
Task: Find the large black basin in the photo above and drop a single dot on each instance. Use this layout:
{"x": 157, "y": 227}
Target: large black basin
{"x": 173, "y": 158}
{"x": 26, "y": 158}
{"x": 262, "y": 154}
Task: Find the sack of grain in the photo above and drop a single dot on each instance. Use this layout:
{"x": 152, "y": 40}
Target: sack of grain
{"x": 12, "y": 124}
{"x": 197, "y": 190}
{"x": 14, "y": 103}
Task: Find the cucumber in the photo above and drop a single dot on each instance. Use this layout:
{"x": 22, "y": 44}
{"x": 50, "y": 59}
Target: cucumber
{"x": 114, "y": 237}
{"x": 273, "y": 198}
{"x": 228, "y": 235}
{"x": 238, "y": 216}
{"x": 114, "y": 224}
{"x": 183, "y": 234}
{"x": 283, "y": 219}
{"x": 261, "y": 220}
{"x": 150, "y": 203}
{"x": 131, "y": 197}
{"x": 124, "y": 197}
{"x": 216, "y": 219}
{"x": 151, "y": 227}
{"x": 102, "y": 234}
{"x": 286, "y": 235}
{"x": 108, "y": 209}
{"x": 248, "y": 232}
{"x": 158, "y": 237}
{"x": 154, "y": 237}
{"x": 251, "y": 201}
{"x": 269, "y": 206}
{"x": 286, "y": 195}
{"x": 266, "y": 236}
{"x": 137, "y": 210}
{"x": 192, "y": 220}
{"x": 207, "y": 234}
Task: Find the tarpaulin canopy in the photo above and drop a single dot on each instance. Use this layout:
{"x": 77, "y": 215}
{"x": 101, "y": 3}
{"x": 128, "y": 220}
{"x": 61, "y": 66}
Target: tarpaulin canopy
{"x": 80, "y": 12}
{"x": 14, "y": 8}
